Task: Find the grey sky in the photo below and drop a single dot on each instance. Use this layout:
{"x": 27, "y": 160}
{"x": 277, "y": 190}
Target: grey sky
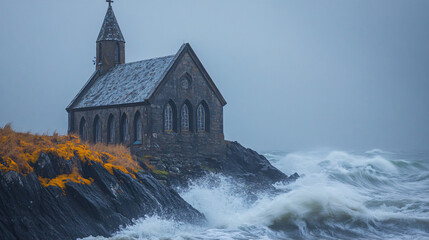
{"x": 296, "y": 74}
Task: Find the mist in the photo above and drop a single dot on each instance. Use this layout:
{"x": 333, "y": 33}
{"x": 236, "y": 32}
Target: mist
{"x": 296, "y": 74}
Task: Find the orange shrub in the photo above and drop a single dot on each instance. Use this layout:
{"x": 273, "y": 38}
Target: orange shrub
{"x": 118, "y": 155}
{"x": 20, "y": 150}
{"x": 61, "y": 180}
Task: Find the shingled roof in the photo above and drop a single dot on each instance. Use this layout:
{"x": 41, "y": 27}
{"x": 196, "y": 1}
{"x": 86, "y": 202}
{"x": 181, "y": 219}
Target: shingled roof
{"x": 132, "y": 82}
{"x": 110, "y": 30}
{"x": 126, "y": 83}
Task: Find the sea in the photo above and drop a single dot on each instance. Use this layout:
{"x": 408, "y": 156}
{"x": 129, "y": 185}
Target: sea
{"x": 340, "y": 195}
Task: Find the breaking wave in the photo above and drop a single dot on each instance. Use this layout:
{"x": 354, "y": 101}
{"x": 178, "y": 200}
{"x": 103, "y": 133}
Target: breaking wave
{"x": 340, "y": 195}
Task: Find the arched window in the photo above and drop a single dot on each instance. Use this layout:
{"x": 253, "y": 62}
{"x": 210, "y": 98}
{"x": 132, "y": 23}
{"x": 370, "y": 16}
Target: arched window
{"x": 186, "y": 81}
{"x": 82, "y": 129}
{"x": 100, "y": 56}
{"x": 138, "y": 128}
{"x": 186, "y": 117}
{"x": 117, "y": 53}
{"x": 203, "y": 114}
{"x": 97, "y": 130}
{"x": 111, "y": 130}
{"x": 201, "y": 117}
{"x": 124, "y": 129}
{"x": 170, "y": 117}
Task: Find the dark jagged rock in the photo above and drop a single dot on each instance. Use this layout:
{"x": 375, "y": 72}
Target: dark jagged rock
{"x": 245, "y": 163}
{"x": 238, "y": 162}
{"x": 30, "y": 211}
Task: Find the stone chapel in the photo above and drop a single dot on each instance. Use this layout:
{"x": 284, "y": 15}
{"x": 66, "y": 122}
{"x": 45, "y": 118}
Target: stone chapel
{"x": 165, "y": 104}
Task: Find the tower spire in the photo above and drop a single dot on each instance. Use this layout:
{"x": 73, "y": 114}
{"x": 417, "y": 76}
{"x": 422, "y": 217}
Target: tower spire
{"x": 110, "y": 42}
{"x": 110, "y": 30}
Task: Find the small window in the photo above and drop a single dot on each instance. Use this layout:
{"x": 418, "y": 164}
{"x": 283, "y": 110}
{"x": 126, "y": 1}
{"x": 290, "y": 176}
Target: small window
{"x": 111, "y": 130}
{"x": 97, "y": 130}
{"x": 138, "y": 128}
{"x": 100, "y": 56}
{"x": 185, "y": 118}
{"x": 117, "y": 53}
{"x": 124, "y": 129}
{"x": 82, "y": 130}
{"x": 201, "y": 118}
{"x": 186, "y": 81}
{"x": 168, "y": 118}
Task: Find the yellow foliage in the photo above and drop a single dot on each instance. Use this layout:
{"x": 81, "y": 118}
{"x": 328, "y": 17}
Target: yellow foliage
{"x": 116, "y": 155}
{"x": 20, "y": 150}
{"x": 10, "y": 166}
{"x": 110, "y": 167}
{"x": 61, "y": 180}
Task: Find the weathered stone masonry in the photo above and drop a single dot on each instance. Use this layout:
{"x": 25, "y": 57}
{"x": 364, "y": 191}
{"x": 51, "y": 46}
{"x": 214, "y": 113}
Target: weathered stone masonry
{"x": 140, "y": 93}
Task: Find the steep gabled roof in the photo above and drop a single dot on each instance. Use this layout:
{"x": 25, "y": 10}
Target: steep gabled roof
{"x": 125, "y": 83}
{"x": 110, "y": 30}
{"x": 187, "y": 48}
{"x": 133, "y": 82}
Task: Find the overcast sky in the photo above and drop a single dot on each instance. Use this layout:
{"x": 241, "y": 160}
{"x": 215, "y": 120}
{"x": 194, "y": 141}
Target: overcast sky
{"x": 296, "y": 75}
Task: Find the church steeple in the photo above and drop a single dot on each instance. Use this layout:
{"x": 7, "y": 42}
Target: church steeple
{"x": 110, "y": 43}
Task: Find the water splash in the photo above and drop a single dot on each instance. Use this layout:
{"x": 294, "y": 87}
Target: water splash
{"x": 341, "y": 195}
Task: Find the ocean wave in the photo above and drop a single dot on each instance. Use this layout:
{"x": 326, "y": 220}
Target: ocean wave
{"x": 340, "y": 195}
{"x": 370, "y": 193}
{"x": 377, "y": 151}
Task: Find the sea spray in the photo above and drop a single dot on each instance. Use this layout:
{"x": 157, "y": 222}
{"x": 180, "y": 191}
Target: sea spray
{"x": 220, "y": 198}
{"x": 372, "y": 194}
{"x": 341, "y": 195}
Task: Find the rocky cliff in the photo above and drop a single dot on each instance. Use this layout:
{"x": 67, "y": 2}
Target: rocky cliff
{"x": 236, "y": 161}
{"x": 55, "y": 187}
{"x": 29, "y": 210}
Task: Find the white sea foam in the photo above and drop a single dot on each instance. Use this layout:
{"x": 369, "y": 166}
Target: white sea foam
{"x": 339, "y": 196}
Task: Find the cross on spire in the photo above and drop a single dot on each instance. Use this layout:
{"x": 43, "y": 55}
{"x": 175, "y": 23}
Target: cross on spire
{"x": 110, "y": 2}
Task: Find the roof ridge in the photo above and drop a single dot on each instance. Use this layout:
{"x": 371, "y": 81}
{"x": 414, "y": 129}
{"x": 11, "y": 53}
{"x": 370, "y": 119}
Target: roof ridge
{"x": 155, "y": 58}
{"x": 125, "y": 83}
{"x": 164, "y": 74}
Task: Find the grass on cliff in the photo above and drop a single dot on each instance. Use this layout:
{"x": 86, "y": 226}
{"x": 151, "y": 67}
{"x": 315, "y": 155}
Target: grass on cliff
{"x": 20, "y": 151}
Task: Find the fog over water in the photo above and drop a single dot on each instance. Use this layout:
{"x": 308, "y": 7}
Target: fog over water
{"x": 296, "y": 74}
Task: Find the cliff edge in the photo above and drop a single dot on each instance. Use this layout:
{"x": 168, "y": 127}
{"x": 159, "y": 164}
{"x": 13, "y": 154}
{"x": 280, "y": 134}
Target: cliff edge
{"x": 58, "y": 188}
{"x": 236, "y": 161}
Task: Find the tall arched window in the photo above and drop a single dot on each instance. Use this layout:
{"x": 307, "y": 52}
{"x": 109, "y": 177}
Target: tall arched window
{"x": 82, "y": 129}
{"x": 97, "y": 130}
{"x": 124, "y": 129}
{"x": 185, "y": 118}
{"x": 168, "y": 118}
{"x": 100, "y": 56}
{"x": 203, "y": 117}
{"x": 117, "y": 53}
{"x": 111, "y": 130}
{"x": 138, "y": 128}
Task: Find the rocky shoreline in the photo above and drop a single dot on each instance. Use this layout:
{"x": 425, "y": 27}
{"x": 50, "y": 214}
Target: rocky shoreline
{"x": 243, "y": 164}
{"x": 29, "y": 210}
